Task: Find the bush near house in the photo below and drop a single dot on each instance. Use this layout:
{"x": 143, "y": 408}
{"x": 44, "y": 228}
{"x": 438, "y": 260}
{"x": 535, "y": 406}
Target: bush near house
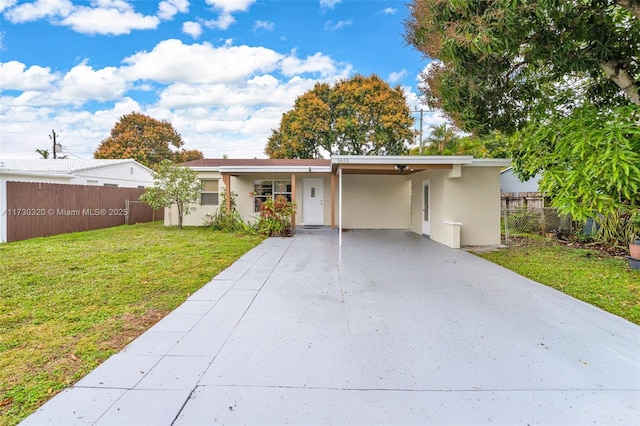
{"x": 276, "y": 217}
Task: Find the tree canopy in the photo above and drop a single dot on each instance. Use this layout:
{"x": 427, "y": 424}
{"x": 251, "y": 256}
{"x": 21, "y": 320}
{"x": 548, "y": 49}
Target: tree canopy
{"x": 173, "y": 184}
{"x": 358, "y": 116}
{"x": 501, "y": 62}
{"x": 145, "y": 139}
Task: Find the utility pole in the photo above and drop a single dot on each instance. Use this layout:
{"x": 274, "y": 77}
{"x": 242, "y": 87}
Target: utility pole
{"x": 420, "y": 141}
{"x": 56, "y": 146}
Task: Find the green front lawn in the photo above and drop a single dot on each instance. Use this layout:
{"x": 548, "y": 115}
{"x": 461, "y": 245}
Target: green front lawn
{"x": 586, "y": 274}
{"x": 70, "y": 301}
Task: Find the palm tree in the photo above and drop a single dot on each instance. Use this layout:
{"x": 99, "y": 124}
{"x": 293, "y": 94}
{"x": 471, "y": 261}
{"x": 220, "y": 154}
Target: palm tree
{"x": 43, "y": 152}
{"x": 441, "y": 138}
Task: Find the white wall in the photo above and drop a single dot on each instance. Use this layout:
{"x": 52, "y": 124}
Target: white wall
{"x": 472, "y": 199}
{"x": 376, "y": 202}
{"x": 130, "y": 175}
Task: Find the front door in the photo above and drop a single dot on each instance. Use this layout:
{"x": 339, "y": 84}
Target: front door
{"x": 426, "y": 229}
{"x": 312, "y": 202}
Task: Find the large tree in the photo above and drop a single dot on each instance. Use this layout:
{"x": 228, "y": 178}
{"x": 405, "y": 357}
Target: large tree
{"x": 358, "y": 116}
{"x": 145, "y": 139}
{"x": 562, "y": 77}
{"x": 501, "y": 62}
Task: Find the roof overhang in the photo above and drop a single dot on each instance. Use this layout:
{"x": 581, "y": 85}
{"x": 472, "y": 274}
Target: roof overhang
{"x": 273, "y": 169}
{"x": 4, "y": 173}
{"x": 403, "y": 165}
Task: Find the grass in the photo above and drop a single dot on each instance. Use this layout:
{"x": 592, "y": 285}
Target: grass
{"x": 589, "y": 275}
{"x": 70, "y": 301}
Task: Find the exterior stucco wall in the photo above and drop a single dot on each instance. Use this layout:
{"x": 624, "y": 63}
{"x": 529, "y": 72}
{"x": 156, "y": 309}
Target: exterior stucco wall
{"x": 437, "y": 197}
{"x": 376, "y": 202}
{"x": 472, "y": 199}
{"x": 244, "y": 185}
{"x": 131, "y": 175}
{"x": 195, "y": 218}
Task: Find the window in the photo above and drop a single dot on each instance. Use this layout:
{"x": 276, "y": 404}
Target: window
{"x": 268, "y": 189}
{"x": 209, "y": 193}
{"x": 111, "y": 185}
{"x": 92, "y": 182}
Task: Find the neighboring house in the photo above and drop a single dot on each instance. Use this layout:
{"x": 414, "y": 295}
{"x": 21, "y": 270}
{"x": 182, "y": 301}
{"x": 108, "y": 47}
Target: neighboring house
{"x": 455, "y": 200}
{"x": 509, "y": 182}
{"x": 515, "y": 193}
{"x": 125, "y": 173}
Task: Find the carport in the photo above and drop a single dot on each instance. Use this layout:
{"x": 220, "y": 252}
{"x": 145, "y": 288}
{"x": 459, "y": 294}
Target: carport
{"x": 454, "y": 200}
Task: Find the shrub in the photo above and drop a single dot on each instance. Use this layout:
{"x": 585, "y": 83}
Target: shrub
{"x": 227, "y": 222}
{"x": 276, "y": 217}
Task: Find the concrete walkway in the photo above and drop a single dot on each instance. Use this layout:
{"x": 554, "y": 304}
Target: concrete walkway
{"x": 391, "y": 329}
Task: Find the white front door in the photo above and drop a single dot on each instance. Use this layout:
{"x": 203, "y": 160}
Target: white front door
{"x": 426, "y": 229}
{"x": 312, "y": 202}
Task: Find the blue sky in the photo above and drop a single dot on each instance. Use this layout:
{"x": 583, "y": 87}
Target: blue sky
{"x": 221, "y": 71}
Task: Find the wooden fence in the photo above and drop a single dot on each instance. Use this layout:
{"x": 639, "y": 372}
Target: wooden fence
{"x": 44, "y": 209}
{"x": 532, "y": 200}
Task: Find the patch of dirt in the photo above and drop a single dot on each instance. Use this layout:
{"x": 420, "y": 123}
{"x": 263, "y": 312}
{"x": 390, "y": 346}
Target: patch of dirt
{"x": 132, "y": 327}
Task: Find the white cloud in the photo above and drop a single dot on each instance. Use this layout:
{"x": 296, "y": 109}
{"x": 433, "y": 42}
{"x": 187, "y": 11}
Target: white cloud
{"x": 329, "y": 4}
{"x": 264, "y": 25}
{"x": 114, "y": 17}
{"x": 388, "y": 11}
{"x": 16, "y": 76}
{"x": 231, "y": 5}
{"x": 318, "y": 63}
{"x": 82, "y": 82}
{"x": 172, "y": 61}
{"x": 223, "y": 22}
{"x": 194, "y": 29}
{"x": 6, "y": 4}
{"x": 113, "y": 20}
{"x": 330, "y": 26}
{"x": 38, "y": 9}
{"x": 395, "y": 77}
{"x": 167, "y": 9}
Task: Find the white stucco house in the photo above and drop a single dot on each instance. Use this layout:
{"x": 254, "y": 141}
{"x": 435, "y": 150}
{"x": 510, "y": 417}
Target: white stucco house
{"x": 454, "y": 200}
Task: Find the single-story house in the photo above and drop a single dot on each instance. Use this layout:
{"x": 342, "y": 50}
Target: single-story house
{"x": 454, "y": 200}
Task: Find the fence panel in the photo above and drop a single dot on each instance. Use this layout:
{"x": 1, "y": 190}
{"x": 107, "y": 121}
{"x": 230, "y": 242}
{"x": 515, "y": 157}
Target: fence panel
{"x": 45, "y": 209}
{"x": 141, "y": 212}
{"x": 537, "y": 221}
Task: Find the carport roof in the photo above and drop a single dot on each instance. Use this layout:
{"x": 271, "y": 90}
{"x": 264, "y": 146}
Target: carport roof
{"x": 382, "y": 164}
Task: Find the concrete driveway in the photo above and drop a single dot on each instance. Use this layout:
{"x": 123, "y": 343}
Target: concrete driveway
{"x": 390, "y": 329}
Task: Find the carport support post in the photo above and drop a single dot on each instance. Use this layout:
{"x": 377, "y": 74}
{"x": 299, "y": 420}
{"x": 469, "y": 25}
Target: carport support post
{"x": 340, "y": 207}
{"x": 334, "y": 178}
{"x": 226, "y": 179}
{"x": 293, "y": 200}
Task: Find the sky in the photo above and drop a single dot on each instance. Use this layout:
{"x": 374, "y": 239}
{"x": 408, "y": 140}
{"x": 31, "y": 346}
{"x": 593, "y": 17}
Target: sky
{"x": 222, "y": 72}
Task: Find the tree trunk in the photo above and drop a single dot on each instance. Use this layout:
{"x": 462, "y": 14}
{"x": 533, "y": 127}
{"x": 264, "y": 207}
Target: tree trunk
{"x": 179, "y": 216}
{"x": 633, "y": 6}
{"x": 623, "y": 79}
